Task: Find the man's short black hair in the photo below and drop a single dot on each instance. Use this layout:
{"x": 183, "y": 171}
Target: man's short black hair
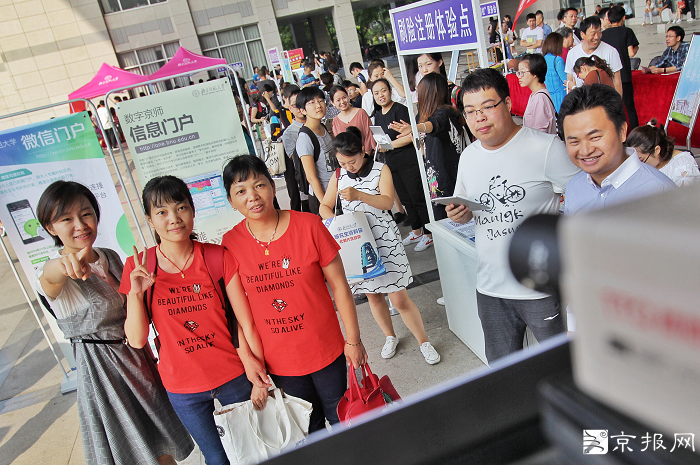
{"x": 678, "y": 30}
{"x": 347, "y": 84}
{"x": 539, "y": 12}
{"x": 332, "y": 68}
{"x": 355, "y": 65}
{"x": 588, "y": 97}
{"x": 571, "y": 9}
{"x": 531, "y": 16}
{"x": 307, "y": 94}
{"x": 560, "y": 15}
{"x": 537, "y": 65}
{"x": 590, "y": 22}
{"x": 484, "y": 79}
{"x": 615, "y": 14}
{"x": 290, "y": 90}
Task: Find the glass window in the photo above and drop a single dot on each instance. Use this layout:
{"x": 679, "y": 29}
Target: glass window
{"x": 147, "y": 61}
{"x": 208, "y": 41}
{"x": 251, "y": 32}
{"x": 110, "y": 6}
{"x": 128, "y": 4}
{"x": 241, "y": 44}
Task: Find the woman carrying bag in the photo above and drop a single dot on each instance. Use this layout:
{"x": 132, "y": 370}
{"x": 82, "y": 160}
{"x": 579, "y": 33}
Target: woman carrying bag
{"x": 365, "y": 185}
{"x": 125, "y": 415}
{"x": 173, "y": 286}
{"x": 285, "y": 259}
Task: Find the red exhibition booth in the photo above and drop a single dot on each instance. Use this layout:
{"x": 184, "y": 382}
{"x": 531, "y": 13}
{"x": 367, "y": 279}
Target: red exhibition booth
{"x": 653, "y": 94}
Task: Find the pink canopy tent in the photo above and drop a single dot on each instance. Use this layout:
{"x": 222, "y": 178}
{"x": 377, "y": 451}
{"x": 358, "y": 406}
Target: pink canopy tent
{"x": 185, "y": 61}
{"x": 108, "y": 77}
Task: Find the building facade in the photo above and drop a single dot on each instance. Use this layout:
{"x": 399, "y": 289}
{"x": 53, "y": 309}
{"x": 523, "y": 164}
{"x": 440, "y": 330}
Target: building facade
{"x": 49, "y": 48}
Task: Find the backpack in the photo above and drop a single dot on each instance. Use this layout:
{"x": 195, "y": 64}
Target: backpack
{"x": 214, "y": 261}
{"x": 299, "y": 173}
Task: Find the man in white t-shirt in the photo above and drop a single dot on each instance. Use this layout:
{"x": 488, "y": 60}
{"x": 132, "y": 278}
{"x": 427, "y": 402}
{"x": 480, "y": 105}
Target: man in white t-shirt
{"x": 103, "y": 114}
{"x": 532, "y": 36}
{"x": 591, "y": 33}
{"x": 516, "y": 172}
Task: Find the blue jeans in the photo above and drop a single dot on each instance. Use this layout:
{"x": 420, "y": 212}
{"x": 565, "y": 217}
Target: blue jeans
{"x": 323, "y": 388}
{"x": 196, "y": 411}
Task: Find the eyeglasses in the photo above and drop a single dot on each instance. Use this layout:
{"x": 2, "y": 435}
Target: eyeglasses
{"x": 315, "y": 103}
{"x": 645, "y": 160}
{"x": 488, "y": 110}
{"x": 521, "y": 73}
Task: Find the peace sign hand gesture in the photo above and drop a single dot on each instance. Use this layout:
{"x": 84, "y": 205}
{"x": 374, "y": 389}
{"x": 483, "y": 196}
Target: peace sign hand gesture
{"x": 77, "y": 265}
{"x": 141, "y": 279}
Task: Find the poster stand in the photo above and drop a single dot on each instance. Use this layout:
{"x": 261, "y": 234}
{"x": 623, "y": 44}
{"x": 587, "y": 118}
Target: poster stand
{"x": 685, "y": 102}
{"x": 69, "y": 382}
{"x": 458, "y": 25}
{"x": 475, "y": 41}
{"x": 230, "y": 71}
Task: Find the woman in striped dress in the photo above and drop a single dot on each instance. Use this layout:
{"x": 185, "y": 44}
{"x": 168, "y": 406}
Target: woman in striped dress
{"x": 365, "y": 185}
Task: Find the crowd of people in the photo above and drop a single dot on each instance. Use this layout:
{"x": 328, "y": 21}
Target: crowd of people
{"x": 574, "y": 140}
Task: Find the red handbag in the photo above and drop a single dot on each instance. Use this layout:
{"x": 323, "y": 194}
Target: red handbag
{"x": 374, "y": 393}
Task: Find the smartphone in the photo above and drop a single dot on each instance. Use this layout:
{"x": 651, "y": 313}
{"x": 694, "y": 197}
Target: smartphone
{"x": 383, "y": 140}
{"x": 25, "y": 221}
{"x": 460, "y": 201}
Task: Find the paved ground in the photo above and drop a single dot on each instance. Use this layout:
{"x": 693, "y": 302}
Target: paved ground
{"x": 39, "y": 425}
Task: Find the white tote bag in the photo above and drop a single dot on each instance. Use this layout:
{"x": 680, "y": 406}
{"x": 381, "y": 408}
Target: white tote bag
{"x": 357, "y": 246}
{"x": 274, "y": 157}
{"x": 250, "y": 436}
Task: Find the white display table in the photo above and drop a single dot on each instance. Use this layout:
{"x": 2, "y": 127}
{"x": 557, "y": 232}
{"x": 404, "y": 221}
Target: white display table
{"x": 456, "y": 258}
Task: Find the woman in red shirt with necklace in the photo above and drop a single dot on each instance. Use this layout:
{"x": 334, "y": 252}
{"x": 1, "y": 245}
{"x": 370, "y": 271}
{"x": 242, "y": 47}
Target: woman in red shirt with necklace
{"x": 284, "y": 259}
{"x": 198, "y": 358}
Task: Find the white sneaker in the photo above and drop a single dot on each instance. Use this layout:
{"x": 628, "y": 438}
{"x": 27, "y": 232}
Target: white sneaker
{"x": 429, "y": 352}
{"x": 389, "y": 349}
{"x": 424, "y": 243}
{"x": 690, "y": 20}
{"x": 441, "y": 301}
{"x": 412, "y": 238}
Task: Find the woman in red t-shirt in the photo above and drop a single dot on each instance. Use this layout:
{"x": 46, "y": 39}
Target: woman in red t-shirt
{"x": 198, "y": 360}
{"x": 284, "y": 259}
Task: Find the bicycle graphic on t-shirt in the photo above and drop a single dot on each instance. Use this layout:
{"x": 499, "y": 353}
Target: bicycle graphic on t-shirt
{"x": 500, "y": 191}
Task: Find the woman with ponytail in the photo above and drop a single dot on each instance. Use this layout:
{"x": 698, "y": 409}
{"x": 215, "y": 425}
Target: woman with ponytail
{"x": 594, "y": 70}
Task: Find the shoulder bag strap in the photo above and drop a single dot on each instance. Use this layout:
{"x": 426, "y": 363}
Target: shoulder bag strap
{"x": 152, "y": 267}
{"x": 214, "y": 261}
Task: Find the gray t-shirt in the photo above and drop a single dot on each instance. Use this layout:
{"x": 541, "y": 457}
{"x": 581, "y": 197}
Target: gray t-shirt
{"x": 324, "y": 166}
{"x": 289, "y": 137}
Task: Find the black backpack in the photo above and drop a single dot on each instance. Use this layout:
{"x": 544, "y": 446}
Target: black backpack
{"x": 299, "y": 173}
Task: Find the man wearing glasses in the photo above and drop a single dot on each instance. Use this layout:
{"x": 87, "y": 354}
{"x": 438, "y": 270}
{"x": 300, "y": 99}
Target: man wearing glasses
{"x": 315, "y": 155}
{"x": 297, "y": 201}
{"x": 674, "y": 56}
{"x": 515, "y": 172}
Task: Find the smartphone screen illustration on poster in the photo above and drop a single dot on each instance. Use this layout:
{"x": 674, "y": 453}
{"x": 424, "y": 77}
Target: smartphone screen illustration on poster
{"x": 25, "y": 221}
